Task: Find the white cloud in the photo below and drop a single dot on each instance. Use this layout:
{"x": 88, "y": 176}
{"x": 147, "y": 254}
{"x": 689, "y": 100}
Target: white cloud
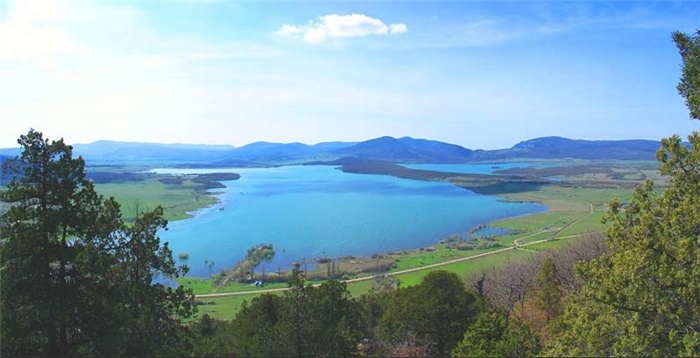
{"x": 35, "y": 32}
{"x": 398, "y": 28}
{"x": 289, "y": 30}
{"x": 335, "y": 26}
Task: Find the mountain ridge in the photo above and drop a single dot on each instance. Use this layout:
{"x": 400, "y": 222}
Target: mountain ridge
{"x": 385, "y": 148}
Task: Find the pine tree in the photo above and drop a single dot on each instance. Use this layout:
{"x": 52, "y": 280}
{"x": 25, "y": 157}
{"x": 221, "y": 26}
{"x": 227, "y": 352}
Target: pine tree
{"x": 549, "y": 291}
{"x": 75, "y": 280}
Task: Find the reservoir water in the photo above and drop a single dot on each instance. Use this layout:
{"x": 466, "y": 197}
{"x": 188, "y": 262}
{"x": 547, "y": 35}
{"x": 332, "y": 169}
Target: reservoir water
{"x": 309, "y": 212}
{"x": 481, "y": 168}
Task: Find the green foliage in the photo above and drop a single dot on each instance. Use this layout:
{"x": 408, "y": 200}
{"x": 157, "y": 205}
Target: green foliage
{"x": 208, "y": 338}
{"x": 260, "y": 253}
{"x": 322, "y": 322}
{"x": 689, "y": 86}
{"x": 436, "y": 312}
{"x": 177, "y": 200}
{"x": 548, "y": 292}
{"x": 244, "y": 269}
{"x": 254, "y": 329}
{"x": 643, "y": 296}
{"x": 149, "y": 307}
{"x": 306, "y": 321}
{"x": 386, "y": 283}
{"x": 494, "y": 336}
{"x": 372, "y": 308}
{"x": 75, "y": 279}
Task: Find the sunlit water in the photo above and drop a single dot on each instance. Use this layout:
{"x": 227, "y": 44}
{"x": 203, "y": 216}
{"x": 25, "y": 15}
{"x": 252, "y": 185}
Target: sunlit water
{"x": 314, "y": 211}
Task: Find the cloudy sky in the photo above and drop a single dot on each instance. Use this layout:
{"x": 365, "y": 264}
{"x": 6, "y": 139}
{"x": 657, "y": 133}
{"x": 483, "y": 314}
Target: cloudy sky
{"x": 479, "y": 74}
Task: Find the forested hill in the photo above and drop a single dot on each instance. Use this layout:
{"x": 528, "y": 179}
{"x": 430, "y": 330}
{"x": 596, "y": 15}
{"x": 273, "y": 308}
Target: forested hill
{"x": 396, "y": 150}
{"x": 407, "y": 150}
{"x": 561, "y": 148}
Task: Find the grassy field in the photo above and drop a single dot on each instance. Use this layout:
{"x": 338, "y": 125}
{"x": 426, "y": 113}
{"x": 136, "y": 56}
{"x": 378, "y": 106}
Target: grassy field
{"x": 419, "y": 258}
{"x": 227, "y": 307}
{"x": 202, "y": 286}
{"x": 554, "y": 244}
{"x": 223, "y": 307}
{"x": 177, "y": 200}
{"x": 465, "y": 268}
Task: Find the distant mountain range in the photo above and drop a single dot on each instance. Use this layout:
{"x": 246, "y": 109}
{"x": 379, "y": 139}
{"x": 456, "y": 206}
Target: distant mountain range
{"x": 396, "y": 150}
{"x": 563, "y": 148}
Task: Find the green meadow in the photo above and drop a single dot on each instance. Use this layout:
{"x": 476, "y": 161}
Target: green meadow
{"x": 177, "y": 200}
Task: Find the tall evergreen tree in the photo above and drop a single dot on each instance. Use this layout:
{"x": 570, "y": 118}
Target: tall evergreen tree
{"x": 436, "y": 313}
{"x": 689, "y": 85}
{"x": 549, "y": 291}
{"x": 70, "y": 267}
{"x": 494, "y": 336}
{"x": 306, "y": 321}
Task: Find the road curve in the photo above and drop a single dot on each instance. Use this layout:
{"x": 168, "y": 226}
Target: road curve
{"x": 515, "y": 247}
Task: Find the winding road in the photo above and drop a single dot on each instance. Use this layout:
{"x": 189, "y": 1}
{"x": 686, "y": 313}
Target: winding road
{"x": 516, "y": 246}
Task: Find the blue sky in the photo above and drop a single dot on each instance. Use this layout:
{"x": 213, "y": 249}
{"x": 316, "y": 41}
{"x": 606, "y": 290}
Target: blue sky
{"x": 479, "y": 74}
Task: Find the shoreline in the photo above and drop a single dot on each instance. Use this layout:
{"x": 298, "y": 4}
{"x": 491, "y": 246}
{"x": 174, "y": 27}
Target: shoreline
{"x": 210, "y": 183}
{"x": 374, "y": 167}
{"x": 426, "y": 247}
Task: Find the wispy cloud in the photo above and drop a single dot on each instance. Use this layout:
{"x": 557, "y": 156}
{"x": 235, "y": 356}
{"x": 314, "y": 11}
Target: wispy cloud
{"x": 535, "y": 21}
{"x": 336, "y": 26}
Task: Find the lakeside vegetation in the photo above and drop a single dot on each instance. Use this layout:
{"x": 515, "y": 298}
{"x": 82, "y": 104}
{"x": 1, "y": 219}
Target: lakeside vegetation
{"x": 179, "y": 196}
{"x": 572, "y": 212}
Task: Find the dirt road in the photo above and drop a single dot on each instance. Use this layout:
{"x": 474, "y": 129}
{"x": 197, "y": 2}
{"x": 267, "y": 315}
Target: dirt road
{"x": 514, "y": 247}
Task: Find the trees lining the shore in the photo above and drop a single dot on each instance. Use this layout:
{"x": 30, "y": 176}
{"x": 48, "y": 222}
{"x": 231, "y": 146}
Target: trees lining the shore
{"x": 245, "y": 269}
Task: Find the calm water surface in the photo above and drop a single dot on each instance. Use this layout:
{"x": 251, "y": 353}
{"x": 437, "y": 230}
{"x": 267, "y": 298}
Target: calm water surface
{"x": 481, "y": 168}
{"x": 313, "y": 211}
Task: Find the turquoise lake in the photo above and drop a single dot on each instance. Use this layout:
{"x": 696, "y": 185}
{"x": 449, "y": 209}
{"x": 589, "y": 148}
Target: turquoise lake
{"x": 307, "y": 212}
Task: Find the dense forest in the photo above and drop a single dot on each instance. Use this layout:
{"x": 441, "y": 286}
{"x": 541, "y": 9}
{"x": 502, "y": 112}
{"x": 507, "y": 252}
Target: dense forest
{"x": 77, "y": 280}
